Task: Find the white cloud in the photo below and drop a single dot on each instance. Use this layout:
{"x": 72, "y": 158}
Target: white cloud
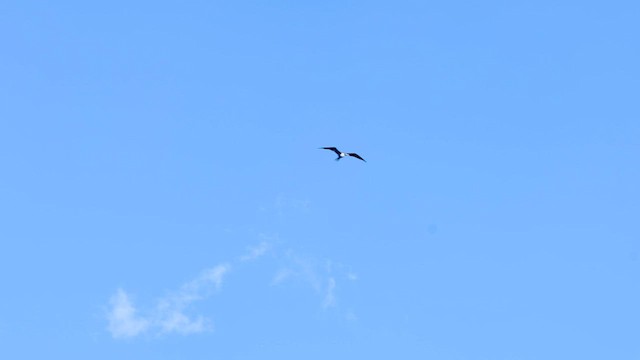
{"x": 317, "y": 275}
{"x": 306, "y": 270}
{"x": 255, "y": 252}
{"x": 176, "y": 321}
{"x": 329, "y": 296}
{"x": 170, "y": 311}
{"x": 214, "y": 275}
{"x": 281, "y": 276}
{"x": 122, "y": 318}
{"x": 173, "y": 313}
{"x": 169, "y": 314}
{"x": 351, "y": 316}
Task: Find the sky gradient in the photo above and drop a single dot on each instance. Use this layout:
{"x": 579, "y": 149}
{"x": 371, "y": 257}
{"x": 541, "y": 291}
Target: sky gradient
{"x": 162, "y": 194}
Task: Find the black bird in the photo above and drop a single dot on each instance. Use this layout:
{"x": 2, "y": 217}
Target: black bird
{"x": 341, "y": 154}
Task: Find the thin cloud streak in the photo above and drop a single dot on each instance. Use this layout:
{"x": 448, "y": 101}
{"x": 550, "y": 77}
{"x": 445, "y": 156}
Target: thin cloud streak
{"x": 281, "y": 276}
{"x": 169, "y": 314}
{"x": 123, "y": 321}
{"x": 170, "y": 310}
{"x": 317, "y": 275}
{"x": 329, "y": 297}
{"x": 177, "y": 321}
{"x": 254, "y": 252}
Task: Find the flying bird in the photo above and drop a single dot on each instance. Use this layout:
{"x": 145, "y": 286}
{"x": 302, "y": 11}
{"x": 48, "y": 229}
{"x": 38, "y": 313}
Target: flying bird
{"x": 342, "y": 154}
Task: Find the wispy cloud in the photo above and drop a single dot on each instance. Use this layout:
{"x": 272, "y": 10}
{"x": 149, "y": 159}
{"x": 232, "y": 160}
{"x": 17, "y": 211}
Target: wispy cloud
{"x": 213, "y": 276}
{"x": 176, "y": 321}
{"x": 317, "y": 275}
{"x": 329, "y": 296}
{"x": 122, "y": 318}
{"x": 254, "y": 252}
{"x": 169, "y": 314}
{"x": 298, "y": 267}
{"x": 351, "y": 316}
{"x": 280, "y": 276}
{"x": 173, "y": 313}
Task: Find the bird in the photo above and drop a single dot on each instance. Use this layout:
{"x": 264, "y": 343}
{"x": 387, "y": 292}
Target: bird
{"x": 342, "y": 154}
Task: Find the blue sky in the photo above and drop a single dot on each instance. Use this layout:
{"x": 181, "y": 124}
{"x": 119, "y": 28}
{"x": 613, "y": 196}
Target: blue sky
{"x": 162, "y": 195}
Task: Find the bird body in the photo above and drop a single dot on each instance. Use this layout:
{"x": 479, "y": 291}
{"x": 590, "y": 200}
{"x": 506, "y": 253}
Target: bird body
{"x": 342, "y": 154}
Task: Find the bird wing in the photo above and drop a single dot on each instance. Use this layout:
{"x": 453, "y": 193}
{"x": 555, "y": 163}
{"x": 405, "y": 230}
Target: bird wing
{"x": 332, "y": 149}
{"x": 356, "y": 156}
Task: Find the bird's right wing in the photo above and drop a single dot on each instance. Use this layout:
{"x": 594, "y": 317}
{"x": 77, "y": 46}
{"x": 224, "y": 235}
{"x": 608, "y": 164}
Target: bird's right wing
{"x": 356, "y": 156}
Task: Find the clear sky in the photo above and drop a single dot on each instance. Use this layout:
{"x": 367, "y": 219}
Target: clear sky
{"x": 162, "y": 194}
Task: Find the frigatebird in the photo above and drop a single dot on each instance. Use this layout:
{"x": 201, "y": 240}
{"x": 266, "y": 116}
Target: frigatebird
{"x": 342, "y": 154}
